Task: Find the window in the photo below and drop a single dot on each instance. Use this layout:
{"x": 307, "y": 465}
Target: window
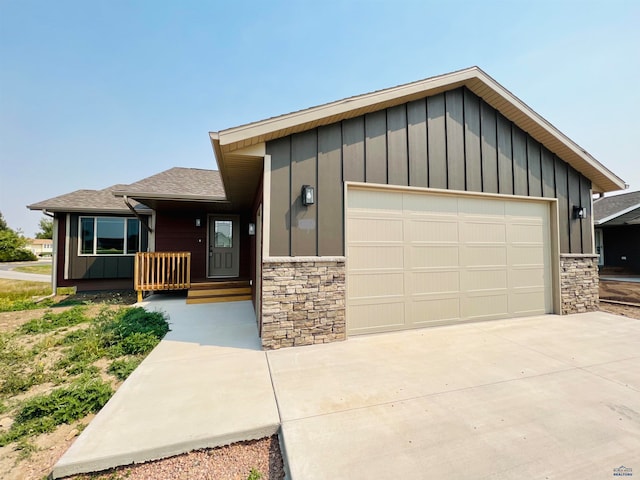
{"x": 223, "y": 234}
{"x": 109, "y": 236}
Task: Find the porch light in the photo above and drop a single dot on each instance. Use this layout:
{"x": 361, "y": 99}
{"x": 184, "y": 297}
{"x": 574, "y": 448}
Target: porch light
{"x": 307, "y": 195}
{"x": 198, "y": 223}
{"x": 252, "y": 229}
{"x": 579, "y": 212}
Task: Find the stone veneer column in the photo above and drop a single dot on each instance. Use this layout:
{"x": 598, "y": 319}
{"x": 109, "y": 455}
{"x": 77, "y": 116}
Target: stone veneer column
{"x": 579, "y": 283}
{"x": 303, "y": 301}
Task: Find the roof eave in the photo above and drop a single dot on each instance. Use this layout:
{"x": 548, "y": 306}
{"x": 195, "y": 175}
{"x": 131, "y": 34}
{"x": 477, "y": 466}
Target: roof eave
{"x": 474, "y": 78}
{"x": 168, "y": 196}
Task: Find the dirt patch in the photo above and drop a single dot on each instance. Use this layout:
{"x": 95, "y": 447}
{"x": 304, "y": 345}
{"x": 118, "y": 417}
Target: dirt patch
{"x": 620, "y": 291}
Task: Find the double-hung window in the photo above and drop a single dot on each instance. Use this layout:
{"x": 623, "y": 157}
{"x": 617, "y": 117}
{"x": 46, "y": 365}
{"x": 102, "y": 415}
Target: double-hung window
{"x": 109, "y": 236}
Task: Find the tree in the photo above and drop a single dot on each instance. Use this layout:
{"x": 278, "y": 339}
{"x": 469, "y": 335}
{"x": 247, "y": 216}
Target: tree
{"x": 46, "y": 228}
{"x": 3, "y": 223}
{"x": 12, "y": 245}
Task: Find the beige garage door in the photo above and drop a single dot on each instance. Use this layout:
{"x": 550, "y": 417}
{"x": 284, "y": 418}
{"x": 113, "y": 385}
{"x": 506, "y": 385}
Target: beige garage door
{"x": 421, "y": 259}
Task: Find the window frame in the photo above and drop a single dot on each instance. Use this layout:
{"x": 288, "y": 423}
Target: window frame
{"x": 95, "y": 218}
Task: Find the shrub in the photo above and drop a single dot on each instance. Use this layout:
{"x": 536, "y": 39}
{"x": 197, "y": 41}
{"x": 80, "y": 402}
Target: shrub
{"x": 122, "y": 368}
{"x": 43, "y": 413}
{"x": 51, "y": 321}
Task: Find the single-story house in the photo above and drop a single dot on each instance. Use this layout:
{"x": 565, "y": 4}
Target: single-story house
{"x": 617, "y": 232}
{"x": 440, "y": 201}
{"x": 42, "y": 247}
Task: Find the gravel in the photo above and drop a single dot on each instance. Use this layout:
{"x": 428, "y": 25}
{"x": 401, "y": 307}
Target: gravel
{"x": 233, "y": 462}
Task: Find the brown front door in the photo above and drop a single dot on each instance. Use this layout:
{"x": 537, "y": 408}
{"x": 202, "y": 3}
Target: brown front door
{"x": 224, "y": 246}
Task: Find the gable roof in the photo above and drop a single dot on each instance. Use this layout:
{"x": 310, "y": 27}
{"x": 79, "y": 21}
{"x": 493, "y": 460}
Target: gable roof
{"x": 177, "y": 183}
{"x": 102, "y": 201}
{"x": 226, "y": 142}
{"x": 617, "y": 209}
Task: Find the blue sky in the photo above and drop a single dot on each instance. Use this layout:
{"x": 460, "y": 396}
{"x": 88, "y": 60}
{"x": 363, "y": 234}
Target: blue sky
{"x": 94, "y": 93}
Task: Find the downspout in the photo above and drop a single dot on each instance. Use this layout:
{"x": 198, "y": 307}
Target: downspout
{"x": 142, "y": 219}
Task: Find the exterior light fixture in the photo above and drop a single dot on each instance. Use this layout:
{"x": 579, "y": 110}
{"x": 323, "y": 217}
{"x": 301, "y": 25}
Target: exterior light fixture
{"x": 198, "y": 223}
{"x": 308, "y": 195}
{"x": 252, "y": 229}
{"x": 579, "y": 212}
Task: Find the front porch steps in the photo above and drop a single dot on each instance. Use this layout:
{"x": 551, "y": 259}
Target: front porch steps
{"x": 224, "y": 291}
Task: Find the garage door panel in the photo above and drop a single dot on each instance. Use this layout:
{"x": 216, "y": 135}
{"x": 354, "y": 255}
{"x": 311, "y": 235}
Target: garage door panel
{"x": 380, "y": 284}
{"x": 415, "y": 205}
{"x": 375, "y": 200}
{"x": 428, "y": 311}
{"x": 483, "y": 255}
{"x": 526, "y": 255}
{"x": 433, "y": 256}
{"x": 477, "y": 232}
{"x": 483, "y": 207}
{"x": 434, "y": 282}
{"x": 484, "y": 305}
{"x": 445, "y": 259}
{"x": 376, "y": 257}
{"x": 376, "y": 317}
{"x": 526, "y": 302}
{"x": 527, "y": 277}
{"x": 483, "y": 279}
{"x": 435, "y": 231}
{"x": 386, "y": 229}
{"x": 530, "y": 233}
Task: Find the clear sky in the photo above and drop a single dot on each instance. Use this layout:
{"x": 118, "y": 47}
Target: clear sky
{"x": 94, "y": 93}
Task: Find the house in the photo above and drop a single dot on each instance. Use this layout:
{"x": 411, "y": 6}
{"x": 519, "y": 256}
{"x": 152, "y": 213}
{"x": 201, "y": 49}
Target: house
{"x": 42, "y": 247}
{"x": 617, "y": 232}
{"x": 440, "y": 201}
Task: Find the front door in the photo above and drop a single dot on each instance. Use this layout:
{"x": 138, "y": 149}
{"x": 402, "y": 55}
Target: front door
{"x": 224, "y": 246}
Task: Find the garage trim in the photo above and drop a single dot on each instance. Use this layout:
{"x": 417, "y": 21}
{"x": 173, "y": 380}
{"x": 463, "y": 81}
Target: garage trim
{"x": 553, "y": 234}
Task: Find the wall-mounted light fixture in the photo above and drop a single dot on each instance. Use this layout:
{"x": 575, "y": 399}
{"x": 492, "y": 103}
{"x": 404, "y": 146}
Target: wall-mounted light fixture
{"x": 252, "y": 229}
{"x": 198, "y": 222}
{"x": 308, "y": 195}
{"x": 579, "y": 212}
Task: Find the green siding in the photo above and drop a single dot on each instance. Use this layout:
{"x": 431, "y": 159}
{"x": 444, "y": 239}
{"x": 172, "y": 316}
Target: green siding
{"x": 451, "y": 140}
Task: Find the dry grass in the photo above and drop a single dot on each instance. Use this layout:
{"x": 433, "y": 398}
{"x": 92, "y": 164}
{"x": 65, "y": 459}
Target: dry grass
{"x": 39, "y": 269}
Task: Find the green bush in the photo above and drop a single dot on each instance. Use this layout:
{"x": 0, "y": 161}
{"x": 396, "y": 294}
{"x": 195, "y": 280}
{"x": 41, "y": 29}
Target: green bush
{"x": 51, "y": 321}
{"x": 123, "y": 367}
{"x": 43, "y": 413}
{"x": 138, "y": 320}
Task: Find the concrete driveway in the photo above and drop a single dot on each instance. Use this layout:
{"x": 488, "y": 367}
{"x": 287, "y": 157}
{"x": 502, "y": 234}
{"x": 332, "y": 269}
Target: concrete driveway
{"x": 540, "y": 397}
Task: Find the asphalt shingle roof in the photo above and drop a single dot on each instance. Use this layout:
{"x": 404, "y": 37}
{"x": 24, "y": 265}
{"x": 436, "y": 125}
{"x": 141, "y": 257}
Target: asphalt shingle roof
{"x": 179, "y": 182}
{"x": 607, "y": 206}
{"x": 176, "y": 182}
{"x": 85, "y": 201}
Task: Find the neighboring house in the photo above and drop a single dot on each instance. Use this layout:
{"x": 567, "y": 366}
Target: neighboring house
{"x": 441, "y": 201}
{"x": 42, "y": 247}
{"x": 617, "y": 232}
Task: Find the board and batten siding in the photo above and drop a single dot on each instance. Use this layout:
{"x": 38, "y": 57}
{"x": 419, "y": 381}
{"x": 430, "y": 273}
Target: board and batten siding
{"x": 453, "y": 140}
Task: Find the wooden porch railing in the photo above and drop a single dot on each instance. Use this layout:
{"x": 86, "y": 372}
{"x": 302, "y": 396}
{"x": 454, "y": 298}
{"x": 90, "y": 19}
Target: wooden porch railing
{"x": 161, "y": 271}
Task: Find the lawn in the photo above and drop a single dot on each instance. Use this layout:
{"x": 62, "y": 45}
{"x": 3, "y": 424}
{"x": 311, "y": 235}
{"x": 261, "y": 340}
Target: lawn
{"x": 45, "y": 269}
{"x": 57, "y": 368}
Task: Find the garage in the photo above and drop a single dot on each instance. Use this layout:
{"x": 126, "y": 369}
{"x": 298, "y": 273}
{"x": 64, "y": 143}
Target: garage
{"x": 421, "y": 258}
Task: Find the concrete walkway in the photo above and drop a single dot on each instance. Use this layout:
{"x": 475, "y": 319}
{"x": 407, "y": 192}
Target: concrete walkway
{"x": 539, "y": 397}
{"x": 206, "y": 384}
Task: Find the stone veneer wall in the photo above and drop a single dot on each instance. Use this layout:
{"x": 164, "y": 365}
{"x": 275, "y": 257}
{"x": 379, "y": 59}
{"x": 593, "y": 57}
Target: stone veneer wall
{"x": 579, "y": 283}
{"x": 303, "y": 301}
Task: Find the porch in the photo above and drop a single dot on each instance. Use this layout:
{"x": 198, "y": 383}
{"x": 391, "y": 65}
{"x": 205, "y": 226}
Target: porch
{"x": 171, "y": 271}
